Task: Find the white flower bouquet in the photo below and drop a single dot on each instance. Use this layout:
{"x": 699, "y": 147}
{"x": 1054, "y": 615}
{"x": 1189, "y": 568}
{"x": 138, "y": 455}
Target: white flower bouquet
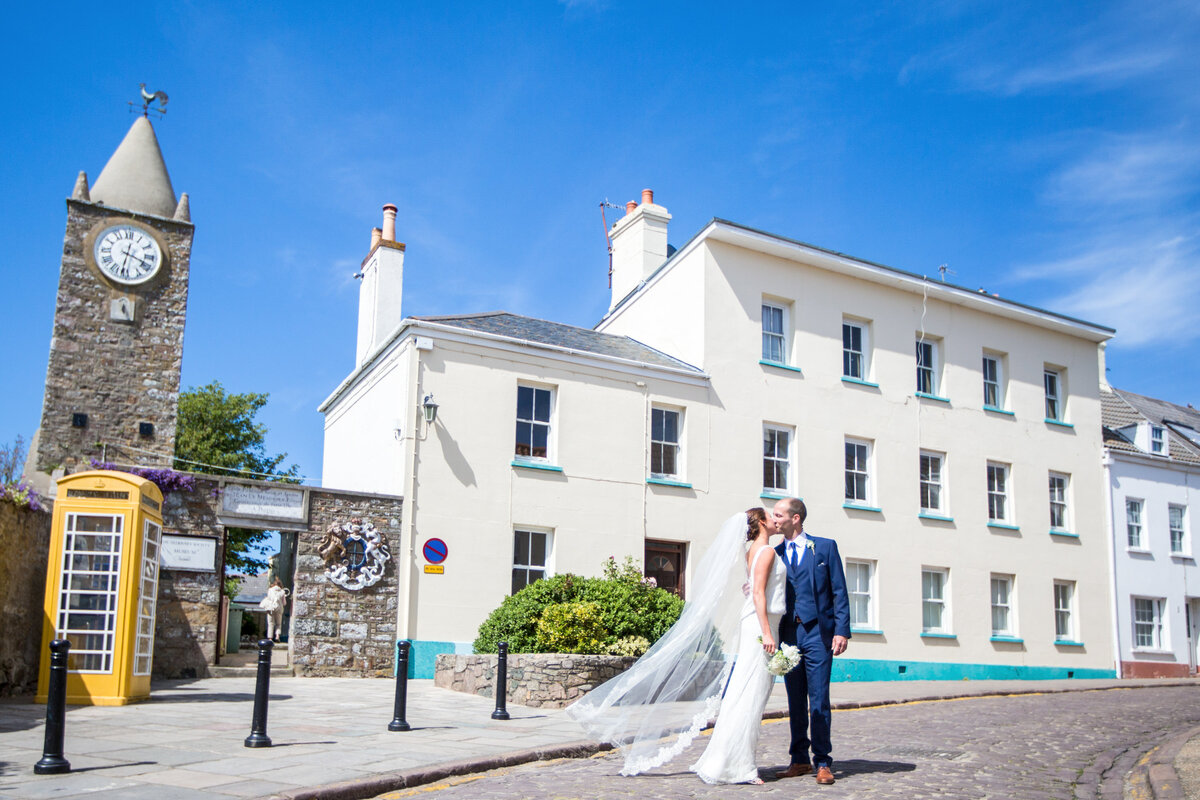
{"x": 785, "y": 659}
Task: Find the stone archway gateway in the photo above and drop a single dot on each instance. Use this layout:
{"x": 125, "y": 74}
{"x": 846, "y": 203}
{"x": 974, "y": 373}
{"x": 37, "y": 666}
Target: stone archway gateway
{"x": 335, "y": 630}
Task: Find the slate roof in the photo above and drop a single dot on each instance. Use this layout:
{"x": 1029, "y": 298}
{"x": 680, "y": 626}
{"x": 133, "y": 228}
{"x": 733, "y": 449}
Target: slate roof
{"x": 556, "y": 334}
{"x": 1119, "y": 409}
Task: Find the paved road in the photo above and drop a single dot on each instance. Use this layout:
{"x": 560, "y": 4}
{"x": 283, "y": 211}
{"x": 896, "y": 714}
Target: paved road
{"x": 1075, "y": 745}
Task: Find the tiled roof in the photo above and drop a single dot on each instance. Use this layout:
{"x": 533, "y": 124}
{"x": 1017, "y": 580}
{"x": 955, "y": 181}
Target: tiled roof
{"x": 1120, "y": 409}
{"x": 540, "y": 331}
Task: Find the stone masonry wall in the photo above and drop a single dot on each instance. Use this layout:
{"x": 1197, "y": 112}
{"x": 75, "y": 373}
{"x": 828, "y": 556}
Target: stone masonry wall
{"x": 185, "y": 630}
{"x": 25, "y": 543}
{"x": 336, "y": 631}
{"x": 539, "y": 680}
{"x": 118, "y": 373}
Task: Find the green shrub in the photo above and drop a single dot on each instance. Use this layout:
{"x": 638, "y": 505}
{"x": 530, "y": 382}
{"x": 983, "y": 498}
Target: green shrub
{"x": 629, "y": 607}
{"x": 571, "y": 628}
{"x": 629, "y": 646}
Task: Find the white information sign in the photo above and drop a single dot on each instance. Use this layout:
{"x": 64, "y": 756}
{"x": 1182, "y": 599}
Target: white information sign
{"x": 263, "y": 503}
{"x": 195, "y": 553}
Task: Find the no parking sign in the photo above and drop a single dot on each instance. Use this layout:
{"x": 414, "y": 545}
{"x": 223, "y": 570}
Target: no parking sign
{"x": 435, "y": 551}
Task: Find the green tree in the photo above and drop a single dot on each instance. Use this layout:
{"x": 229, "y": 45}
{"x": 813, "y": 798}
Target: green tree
{"x": 217, "y": 434}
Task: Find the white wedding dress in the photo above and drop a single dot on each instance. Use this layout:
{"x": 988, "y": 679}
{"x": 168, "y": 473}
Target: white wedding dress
{"x": 729, "y": 757}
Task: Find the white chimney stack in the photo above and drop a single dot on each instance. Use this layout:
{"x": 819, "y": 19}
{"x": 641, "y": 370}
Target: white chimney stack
{"x": 639, "y": 244}
{"x": 382, "y": 287}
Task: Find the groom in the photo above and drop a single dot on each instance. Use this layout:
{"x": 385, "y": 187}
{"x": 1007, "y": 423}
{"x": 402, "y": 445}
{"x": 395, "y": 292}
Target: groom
{"x": 817, "y": 621}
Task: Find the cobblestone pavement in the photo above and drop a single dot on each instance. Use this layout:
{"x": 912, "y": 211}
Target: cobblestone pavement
{"x": 1019, "y": 747}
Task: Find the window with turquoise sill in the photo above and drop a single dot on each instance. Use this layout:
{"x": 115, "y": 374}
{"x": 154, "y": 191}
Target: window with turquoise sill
{"x": 1003, "y": 620}
{"x": 535, "y": 409}
{"x": 777, "y": 460}
{"x": 860, "y": 577}
{"x": 858, "y": 472}
{"x": 929, "y": 365}
{"x": 1064, "y": 611}
{"x": 999, "y": 502}
{"x": 774, "y": 332}
{"x": 856, "y": 354}
{"x": 933, "y": 487}
{"x": 1054, "y": 379}
{"x": 1060, "y": 516}
{"x": 935, "y": 604}
{"x": 994, "y": 388}
{"x": 665, "y": 428}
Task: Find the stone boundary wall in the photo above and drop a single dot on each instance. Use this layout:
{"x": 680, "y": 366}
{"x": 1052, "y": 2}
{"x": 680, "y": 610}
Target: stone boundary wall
{"x": 537, "y": 680}
{"x": 25, "y": 543}
{"x": 334, "y": 631}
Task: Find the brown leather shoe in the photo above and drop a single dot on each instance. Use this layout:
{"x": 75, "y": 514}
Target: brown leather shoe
{"x": 795, "y": 770}
{"x": 824, "y": 776}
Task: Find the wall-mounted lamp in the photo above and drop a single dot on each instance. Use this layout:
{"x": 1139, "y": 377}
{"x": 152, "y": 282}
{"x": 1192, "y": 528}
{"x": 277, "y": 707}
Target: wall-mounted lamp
{"x": 429, "y": 409}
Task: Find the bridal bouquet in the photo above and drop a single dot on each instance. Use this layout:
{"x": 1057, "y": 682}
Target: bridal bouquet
{"x": 786, "y": 658}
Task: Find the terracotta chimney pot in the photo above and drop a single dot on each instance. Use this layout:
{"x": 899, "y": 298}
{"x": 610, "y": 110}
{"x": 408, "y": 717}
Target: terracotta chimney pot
{"x": 630, "y": 206}
{"x": 647, "y": 196}
{"x": 376, "y": 235}
{"x": 389, "y": 223}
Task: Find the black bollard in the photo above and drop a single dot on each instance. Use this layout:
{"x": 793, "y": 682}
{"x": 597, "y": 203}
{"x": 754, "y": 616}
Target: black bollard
{"x": 501, "y": 711}
{"x": 398, "y": 722}
{"x": 52, "y": 762}
{"x": 262, "y": 689}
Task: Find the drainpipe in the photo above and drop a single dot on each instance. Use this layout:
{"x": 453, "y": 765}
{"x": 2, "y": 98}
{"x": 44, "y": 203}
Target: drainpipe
{"x": 1107, "y": 461}
{"x": 408, "y": 527}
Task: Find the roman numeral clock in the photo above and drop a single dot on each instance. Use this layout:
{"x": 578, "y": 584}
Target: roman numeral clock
{"x": 112, "y": 382}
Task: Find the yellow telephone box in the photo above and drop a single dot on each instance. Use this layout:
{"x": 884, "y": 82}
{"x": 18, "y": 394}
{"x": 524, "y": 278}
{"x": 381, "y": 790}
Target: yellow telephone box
{"x": 101, "y": 586}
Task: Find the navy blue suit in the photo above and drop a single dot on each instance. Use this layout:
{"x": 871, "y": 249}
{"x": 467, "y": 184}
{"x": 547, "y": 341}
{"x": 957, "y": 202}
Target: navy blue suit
{"x": 818, "y": 608}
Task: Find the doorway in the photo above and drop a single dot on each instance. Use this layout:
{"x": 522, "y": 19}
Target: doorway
{"x": 279, "y": 553}
{"x": 666, "y": 563}
{"x": 1192, "y": 610}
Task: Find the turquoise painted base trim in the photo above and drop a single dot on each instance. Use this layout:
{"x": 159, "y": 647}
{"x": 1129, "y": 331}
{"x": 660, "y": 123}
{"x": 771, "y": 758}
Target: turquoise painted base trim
{"x": 1003, "y": 527}
{"x": 939, "y": 636}
{"x": 996, "y": 410}
{"x": 536, "y": 465}
{"x": 1007, "y": 639}
{"x": 1066, "y": 534}
{"x": 665, "y": 482}
{"x": 777, "y": 365}
{"x": 925, "y": 396}
{"x": 859, "y": 382}
{"x": 1068, "y": 643}
{"x": 935, "y": 517}
{"x": 422, "y": 656}
{"x": 854, "y": 507}
{"x": 861, "y": 669}
{"x": 1059, "y": 423}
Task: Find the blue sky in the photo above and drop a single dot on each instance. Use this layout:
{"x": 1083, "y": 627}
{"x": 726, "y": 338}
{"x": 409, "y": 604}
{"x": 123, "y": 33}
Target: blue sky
{"x": 1047, "y": 152}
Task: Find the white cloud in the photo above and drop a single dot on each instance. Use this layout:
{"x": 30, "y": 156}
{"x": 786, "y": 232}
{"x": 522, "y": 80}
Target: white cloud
{"x": 1144, "y": 172}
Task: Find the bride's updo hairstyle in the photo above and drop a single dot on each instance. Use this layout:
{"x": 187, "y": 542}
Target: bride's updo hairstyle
{"x": 757, "y": 517}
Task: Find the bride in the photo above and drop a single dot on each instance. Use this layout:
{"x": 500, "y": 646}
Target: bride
{"x": 654, "y": 710}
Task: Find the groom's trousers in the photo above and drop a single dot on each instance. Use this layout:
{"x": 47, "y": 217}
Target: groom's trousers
{"x": 808, "y": 687}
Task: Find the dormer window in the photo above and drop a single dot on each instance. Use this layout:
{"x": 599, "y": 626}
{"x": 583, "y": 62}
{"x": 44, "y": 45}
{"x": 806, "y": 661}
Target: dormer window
{"x": 1158, "y": 442}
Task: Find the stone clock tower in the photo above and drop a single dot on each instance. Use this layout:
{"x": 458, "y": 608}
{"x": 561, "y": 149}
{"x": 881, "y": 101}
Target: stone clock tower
{"x": 112, "y": 385}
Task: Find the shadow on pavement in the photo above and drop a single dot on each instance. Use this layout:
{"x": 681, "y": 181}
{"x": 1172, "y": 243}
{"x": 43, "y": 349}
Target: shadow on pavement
{"x": 861, "y": 766}
{"x": 113, "y": 766}
{"x": 211, "y": 697}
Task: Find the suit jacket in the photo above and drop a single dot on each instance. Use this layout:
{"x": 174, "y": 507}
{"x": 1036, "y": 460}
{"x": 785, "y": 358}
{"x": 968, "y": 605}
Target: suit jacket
{"x": 821, "y": 577}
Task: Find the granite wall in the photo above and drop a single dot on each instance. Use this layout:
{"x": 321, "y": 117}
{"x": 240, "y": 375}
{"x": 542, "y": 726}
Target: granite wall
{"x": 25, "y": 543}
{"x": 539, "y": 680}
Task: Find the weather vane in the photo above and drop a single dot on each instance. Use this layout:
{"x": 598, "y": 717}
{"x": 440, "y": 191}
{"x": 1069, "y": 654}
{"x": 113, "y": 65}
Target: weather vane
{"x": 148, "y": 98}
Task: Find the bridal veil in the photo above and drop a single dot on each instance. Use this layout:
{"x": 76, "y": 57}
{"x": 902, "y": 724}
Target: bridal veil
{"x": 656, "y": 708}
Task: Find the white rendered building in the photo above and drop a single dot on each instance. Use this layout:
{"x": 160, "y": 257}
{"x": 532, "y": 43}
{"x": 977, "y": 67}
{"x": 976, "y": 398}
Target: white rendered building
{"x": 948, "y": 439}
{"x": 1152, "y": 462}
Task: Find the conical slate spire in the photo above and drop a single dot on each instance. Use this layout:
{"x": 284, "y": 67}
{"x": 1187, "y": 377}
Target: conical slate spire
{"x": 135, "y": 178}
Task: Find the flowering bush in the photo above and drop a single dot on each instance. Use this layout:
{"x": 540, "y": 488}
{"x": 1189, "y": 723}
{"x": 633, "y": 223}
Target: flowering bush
{"x": 571, "y": 628}
{"x": 629, "y": 646}
{"x": 167, "y": 480}
{"x": 21, "y": 495}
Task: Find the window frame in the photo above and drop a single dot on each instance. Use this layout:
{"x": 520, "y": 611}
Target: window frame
{"x": 866, "y": 597}
{"x": 1138, "y": 524}
{"x": 1157, "y": 624}
{"x": 942, "y": 509}
{"x": 784, "y": 339}
{"x": 677, "y": 445}
{"x": 933, "y": 368}
{"x": 942, "y": 601}
{"x": 1057, "y": 397}
{"x": 1008, "y": 604}
{"x": 1000, "y": 386}
{"x": 550, "y": 423}
{"x": 1178, "y": 535}
{"x": 1064, "y": 501}
{"x": 1064, "y": 612}
{"x": 1158, "y": 443}
{"x": 866, "y": 471}
{"x": 788, "y": 460}
{"x": 864, "y": 352}
{"x": 1004, "y": 494}
{"x": 546, "y": 568}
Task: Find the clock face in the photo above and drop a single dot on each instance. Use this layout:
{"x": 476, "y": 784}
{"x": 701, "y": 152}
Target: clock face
{"x": 127, "y": 254}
